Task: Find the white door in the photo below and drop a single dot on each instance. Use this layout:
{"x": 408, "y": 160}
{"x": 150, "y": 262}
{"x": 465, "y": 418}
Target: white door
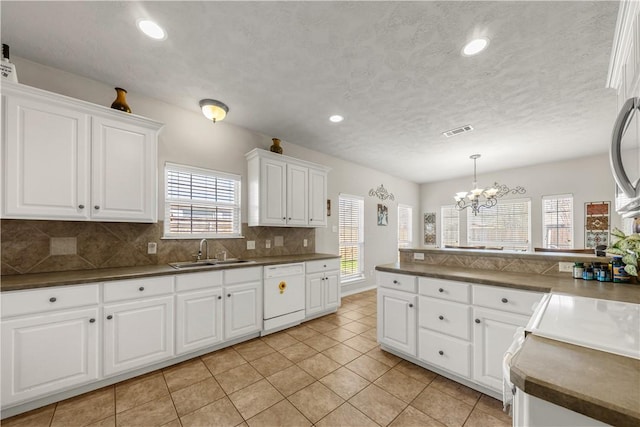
{"x": 124, "y": 172}
{"x": 332, "y": 291}
{"x": 317, "y": 198}
{"x": 47, "y": 353}
{"x": 242, "y": 309}
{"x": 397, "y": 320}
{"x": 314, "y": 293}
{"x": 273, "y": 177}
{"x": 493, "y": 335}
{"x": 198, "y": 320}
{"x": 137, "y": 333}
{"x": 47, "y": 162}
{"x": 297, "y": 195}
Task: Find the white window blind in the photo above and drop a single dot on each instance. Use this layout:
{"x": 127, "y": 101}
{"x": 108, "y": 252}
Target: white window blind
{"x": 405, "y": 228}
{"x": 506, "y": 225}
{"x": 557, "y": 221}
{"x": 201, "y": 203}
{"x": 351, "y": 237}
{"x": 450, "y": 225}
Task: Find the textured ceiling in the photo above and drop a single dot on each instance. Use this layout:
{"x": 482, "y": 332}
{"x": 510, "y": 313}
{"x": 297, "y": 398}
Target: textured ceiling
{"x": 393, "y": 69}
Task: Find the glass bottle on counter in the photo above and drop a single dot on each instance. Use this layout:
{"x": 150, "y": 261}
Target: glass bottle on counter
{"x": 578, "y": 269}
{"x": 588, "y": 273}
{"x": 619, "y": 274}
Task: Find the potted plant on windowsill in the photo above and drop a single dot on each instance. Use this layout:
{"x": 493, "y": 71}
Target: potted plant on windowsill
{"x": 628, "y": 247}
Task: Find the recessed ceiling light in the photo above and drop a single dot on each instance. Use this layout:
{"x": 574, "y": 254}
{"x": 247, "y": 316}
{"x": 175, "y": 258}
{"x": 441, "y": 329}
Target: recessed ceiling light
{"x": 475, "y": 46}
{"x": 151, "y": 29}
{"x": 336, "y": 118}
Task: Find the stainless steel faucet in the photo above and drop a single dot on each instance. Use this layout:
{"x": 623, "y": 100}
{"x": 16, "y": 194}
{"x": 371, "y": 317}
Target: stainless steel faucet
{"x": 203, "y": 241}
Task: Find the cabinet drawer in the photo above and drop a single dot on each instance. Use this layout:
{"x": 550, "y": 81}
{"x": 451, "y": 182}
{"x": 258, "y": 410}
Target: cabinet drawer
{"x": 242, "y": 275}
{"x": 195, "y": 281}
{"x": 323, "y": 265}
{"x": 448, "y": 353}
{"x": 446, "y": 317}
{"x": 506, "y": 299}
{"x": 401, "y": 282}
{"x": 444, "y": 289}
{"x": 48, "y": 299}
{"x": 137, "y": 288}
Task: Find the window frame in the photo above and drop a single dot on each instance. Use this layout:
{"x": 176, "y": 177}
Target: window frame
{"x": 443, "y": 229}
{"x": 359, "y": 274}
{"x": 546, "y": 227}
{"x": 405, "y": 244}
{"x": 235, "y": 204}
{"x": 512, "y": 245}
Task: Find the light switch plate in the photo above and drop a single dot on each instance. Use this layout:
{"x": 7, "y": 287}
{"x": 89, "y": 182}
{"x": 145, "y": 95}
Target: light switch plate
{"x": 251, "y": 244}
{"x": 267, "y": 244}
{"x": 418, "y": 256}
{"x": 565, "y": 267}
{"x": 304, "y": 242}
{"x": 152, "y": 248}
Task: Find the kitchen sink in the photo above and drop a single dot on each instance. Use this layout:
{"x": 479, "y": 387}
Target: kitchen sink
{"x": 209, "y": 263}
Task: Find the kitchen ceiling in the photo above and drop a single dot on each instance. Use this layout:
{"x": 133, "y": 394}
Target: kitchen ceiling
{"x": 392, "y": 69}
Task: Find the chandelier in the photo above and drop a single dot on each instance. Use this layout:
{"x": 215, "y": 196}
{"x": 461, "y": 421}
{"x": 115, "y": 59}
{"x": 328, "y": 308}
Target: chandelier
{"x": 479, "y": 198}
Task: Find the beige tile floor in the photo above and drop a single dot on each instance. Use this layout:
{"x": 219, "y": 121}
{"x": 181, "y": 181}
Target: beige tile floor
{"x": 326, "y": 372}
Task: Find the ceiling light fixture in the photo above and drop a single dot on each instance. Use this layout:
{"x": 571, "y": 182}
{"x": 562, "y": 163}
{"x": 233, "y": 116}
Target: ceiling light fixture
{"x": 214, "y": 110}
{"x": 336, "y": 118}
{"x": 151, "y": 29}
{"x": 475, "y": 46}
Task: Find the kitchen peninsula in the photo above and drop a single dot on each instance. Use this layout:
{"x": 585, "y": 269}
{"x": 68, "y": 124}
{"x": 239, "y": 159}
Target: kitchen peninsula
{"x": 470, "y": 303}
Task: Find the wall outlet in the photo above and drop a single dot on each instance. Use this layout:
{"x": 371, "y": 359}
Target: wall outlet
{"x": 305, "y": 243}
{"x": 565, "y": 267}
{"x": 418, "y": 255}
{"x": 267, "y": 244}
{"x": 251, "y": 244}
{"x": 278, "y": 241}
{"x": 152, "y": 248}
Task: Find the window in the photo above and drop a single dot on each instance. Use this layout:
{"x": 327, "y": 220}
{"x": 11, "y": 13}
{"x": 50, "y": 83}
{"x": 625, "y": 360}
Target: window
{"x": 201, "y": 203}
{"x": 557, "y": 221}
{"x": 351, "y": 237}
{"x": 506, "y": 225}
{"x": 405, "y": 229}
{"x": 450, "y": 234}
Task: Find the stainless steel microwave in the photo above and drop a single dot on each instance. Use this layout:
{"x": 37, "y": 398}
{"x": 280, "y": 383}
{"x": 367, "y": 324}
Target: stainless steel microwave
{"x": 624, "y": 156}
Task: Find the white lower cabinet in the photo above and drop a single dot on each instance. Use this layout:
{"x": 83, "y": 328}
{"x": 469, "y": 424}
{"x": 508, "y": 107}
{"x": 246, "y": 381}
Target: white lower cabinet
{"x": 137, "y": 333}
{"x": 322, "y": 287}
{"x": 242, "y": 309}
{"x": 198, "y": 320}
{"x": 45, "y": 353}
{"x": 493, "y": 335}
{"x": 446, "y": 352}
{"x": 397, "y": 320}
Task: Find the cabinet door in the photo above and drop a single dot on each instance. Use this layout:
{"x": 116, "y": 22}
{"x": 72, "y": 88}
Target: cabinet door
{"x": 317, "y": 198}
{"x": 46, "y": 353}
{"x": 297, "y": 195}
{"x": 397, "y": 320}
{"x": 46, "y": 147}
{"x": 331, "y": 291}
{"x": 124, "y": 172}
{"x": 137, "y": 334}
{"x": 314, "y": 293}
{"x": 493, "y": 335}
{"x": 198, "y": 320}
{"x": 273, "y": 178}
{"x": 242, "y": 309}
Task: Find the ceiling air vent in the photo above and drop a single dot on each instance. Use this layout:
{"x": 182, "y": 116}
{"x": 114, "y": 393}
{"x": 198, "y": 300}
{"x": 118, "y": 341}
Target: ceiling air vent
{"x": 458, "y": 131}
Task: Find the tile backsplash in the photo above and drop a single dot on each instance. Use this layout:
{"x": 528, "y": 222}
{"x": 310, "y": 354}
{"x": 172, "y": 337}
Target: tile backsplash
{"x": 30, "y": 246}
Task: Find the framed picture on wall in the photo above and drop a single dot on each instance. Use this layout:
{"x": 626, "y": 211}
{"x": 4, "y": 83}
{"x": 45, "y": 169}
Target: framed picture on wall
{"x": 383, "y": 215}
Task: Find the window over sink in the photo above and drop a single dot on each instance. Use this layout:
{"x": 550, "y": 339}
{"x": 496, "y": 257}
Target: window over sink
{"x": 201, "y": 203}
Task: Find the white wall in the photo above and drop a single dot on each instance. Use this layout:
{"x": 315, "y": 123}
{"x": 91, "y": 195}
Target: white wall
{"x": 589, "y": 180}
{"x": 188, "y": 138}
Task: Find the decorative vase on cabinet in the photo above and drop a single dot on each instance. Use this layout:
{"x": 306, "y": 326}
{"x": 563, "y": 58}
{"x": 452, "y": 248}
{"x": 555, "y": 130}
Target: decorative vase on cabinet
{"x": 276, "y": 148}
{"x": 120, "y": 102}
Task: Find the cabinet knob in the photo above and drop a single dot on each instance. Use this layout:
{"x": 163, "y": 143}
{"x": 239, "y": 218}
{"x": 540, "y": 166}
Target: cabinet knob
{"x": 395, "y": 282}
{"x": 284, "y": 218}
{"x": 219, "y": 297}
{"x": 80, "y": 206}
{"x": 96, "y": 207}
{"x": 325, "y": 265}
{"x": 53, "y": 299}
{"x": 141, "y": 288}
{"x": 440, "y": 290}
{"x": 441, "y": 353}
{"x": 109, "y": 317}
{"x": 289, "y": 218}
{"x": 228, "y": 295}
{"x": 310, "y": 219}
{"x": 92, "y": 320}
{"x": 477, "y": 320}
{"x": 441, "y": 317}
{"x": 410, "y": 305}
{"x": 504, "y": 300}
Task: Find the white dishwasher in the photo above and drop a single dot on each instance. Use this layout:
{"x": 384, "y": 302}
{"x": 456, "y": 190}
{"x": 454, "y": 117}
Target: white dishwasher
{"x": 284, "y": 296}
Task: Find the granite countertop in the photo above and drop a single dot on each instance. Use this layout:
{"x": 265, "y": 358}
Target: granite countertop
{"x": 530, "y": 282}
{"x": 597, "y": 384}
{"x": 41, "y": 280}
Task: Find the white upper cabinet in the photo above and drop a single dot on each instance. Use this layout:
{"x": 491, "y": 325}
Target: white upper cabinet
{"x": 71, "y": 160}
{"x": 284, "y": 191}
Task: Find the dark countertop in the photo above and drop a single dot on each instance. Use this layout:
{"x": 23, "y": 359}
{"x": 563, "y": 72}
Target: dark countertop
{"x": 530, "y": 282}
{"x": 597, "y": 384}
{"x": 41, "y": 280}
